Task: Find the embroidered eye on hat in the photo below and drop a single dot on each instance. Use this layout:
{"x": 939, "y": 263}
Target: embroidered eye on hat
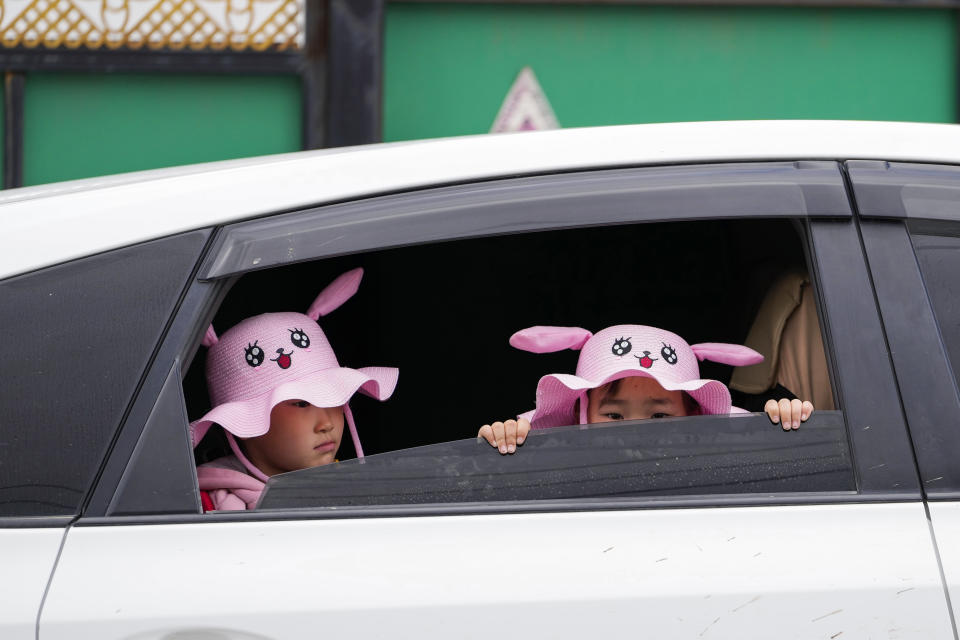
{"x": 619, "y": 352}
{"x": 274, "y": 357}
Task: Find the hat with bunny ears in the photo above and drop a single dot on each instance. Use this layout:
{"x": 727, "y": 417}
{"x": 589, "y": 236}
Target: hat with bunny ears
{"x": 273, "y": 357}
{"x": 620, "y": 352}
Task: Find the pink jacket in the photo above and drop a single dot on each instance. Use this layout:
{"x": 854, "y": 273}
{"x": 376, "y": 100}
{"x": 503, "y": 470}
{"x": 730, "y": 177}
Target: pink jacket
{"x": 229, "y": 484}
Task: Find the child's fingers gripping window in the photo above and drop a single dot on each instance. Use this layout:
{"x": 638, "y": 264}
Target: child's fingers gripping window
{"x": 788, "y": 413}
{"x": 506, "y": 436}
{"x": 772, "y": 409}
{"x": 486, "y": 432}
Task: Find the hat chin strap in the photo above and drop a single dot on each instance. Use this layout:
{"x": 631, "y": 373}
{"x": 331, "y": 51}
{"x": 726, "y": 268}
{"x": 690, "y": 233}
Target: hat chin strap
{"x": 237, "y": 451}
{"x": 583, "y": 407}
{"x": 353, "y": 430}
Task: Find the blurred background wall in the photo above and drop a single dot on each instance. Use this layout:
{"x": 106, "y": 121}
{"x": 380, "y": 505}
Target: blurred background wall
{"x": 94, "y": 87}
{"x": 449, "y": 66}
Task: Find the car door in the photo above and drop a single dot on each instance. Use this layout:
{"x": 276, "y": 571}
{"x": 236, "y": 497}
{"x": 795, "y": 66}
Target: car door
{"x": 789, "y": 543}
{"x": 911, "y": 230}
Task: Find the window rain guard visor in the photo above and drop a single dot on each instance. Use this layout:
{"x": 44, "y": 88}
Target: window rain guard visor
{"x": 905, "y": 190}
{"x": 695, "y": 192}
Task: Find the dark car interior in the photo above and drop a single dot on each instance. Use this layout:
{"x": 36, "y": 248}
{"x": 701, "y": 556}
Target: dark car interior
{"x": 442, "y": 313}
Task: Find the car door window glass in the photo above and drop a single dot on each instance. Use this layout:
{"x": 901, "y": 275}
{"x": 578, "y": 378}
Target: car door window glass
{"x": 708, "y": 455}
{"x": 78, "y": 337}
{"x": 939, "y": 258}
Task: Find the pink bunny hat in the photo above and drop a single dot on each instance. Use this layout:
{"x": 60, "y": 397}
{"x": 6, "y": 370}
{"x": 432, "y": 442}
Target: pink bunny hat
{"x": 273, "y": 357}
{"x": 619, "y": 352}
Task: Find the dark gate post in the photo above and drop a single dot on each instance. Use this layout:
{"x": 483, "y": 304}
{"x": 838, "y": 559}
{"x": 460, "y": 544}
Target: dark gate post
{"x": 313, "y": 75}
{"x": 12, "y": 130}
{"x": 354, "y": 72}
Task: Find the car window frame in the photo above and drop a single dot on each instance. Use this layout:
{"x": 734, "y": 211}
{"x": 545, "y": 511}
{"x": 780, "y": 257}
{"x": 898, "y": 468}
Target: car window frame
{"x": 835, "y": 276}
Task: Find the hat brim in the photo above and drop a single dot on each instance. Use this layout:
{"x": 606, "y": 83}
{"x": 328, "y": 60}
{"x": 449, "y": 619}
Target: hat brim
{"x": 557, "y": 395}
{"x": 328, "y": 388}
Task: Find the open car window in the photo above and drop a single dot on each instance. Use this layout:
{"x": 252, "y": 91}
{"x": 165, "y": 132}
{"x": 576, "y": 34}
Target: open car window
{"x": 442, "y": 313}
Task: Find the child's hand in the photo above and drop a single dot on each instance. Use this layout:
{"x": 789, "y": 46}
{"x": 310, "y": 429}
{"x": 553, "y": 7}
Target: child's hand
{"x": 789, "y": 413}
{"x": 506, "y": 436}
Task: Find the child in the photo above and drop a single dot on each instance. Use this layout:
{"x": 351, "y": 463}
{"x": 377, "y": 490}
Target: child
{"x": 629, "y": 372}
{"x": 281, "y": 398}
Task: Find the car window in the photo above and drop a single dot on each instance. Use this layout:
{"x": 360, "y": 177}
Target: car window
{"x": 78, "y": 336}
{"x": 443, "y": 313}
{"x": 939, "y": 258}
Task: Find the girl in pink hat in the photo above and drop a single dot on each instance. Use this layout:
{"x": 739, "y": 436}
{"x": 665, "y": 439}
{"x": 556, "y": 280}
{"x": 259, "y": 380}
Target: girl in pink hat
{"x": 629, "y": 372}
{"x": 281, "y": 397}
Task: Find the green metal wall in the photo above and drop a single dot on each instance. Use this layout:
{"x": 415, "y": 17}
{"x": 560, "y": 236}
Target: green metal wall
{"x": 82, "y": 125}
{"x": 448, "y": 67}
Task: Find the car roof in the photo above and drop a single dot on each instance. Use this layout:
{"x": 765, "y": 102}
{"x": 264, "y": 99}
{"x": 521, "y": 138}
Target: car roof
{"x": 49, "y": 224}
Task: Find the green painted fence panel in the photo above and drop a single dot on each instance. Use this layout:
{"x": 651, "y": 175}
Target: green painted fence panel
{"x": 449, "y": 66}
{"x": 82, "y": 125}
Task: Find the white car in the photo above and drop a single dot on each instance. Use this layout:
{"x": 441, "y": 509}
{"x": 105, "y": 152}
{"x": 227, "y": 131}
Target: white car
{"x": 701, "y": 527}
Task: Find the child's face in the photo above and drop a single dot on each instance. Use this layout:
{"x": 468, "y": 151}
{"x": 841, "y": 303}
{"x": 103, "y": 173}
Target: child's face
{"x": 634, "y": 398}
{"x": 300, "y": 436}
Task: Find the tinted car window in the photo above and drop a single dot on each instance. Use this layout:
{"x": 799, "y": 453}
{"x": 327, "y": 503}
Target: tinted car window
{"x": 78, "y": 337}
{"x": 939, "y": 257}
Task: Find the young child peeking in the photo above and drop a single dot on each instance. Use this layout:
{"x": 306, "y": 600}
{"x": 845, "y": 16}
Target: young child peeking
{"x": 629, "y": 372}
{"x": 281, "y": 397}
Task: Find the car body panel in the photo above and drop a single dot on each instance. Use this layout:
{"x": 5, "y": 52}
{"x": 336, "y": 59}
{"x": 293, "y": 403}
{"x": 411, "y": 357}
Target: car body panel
{"x": 51, "y": 224}
{"x": 27, "y": 558}
{"x": 945, "y": 524}
{"x": 862, "y": 570}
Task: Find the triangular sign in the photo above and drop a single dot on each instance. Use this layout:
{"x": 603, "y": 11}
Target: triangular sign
{"x": 526, "y": 107}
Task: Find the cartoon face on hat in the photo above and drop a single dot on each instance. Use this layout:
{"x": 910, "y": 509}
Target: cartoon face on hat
{"x": 273, "y": 357}
{"x": 264, "y": 352}
{"x": 623, "y": 351}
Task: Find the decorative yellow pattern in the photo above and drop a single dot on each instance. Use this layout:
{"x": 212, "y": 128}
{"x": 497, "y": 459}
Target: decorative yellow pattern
{"x": 254, "y": 25}
{"x": 51, "y": 23}
{"x": 176, "y": 25}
